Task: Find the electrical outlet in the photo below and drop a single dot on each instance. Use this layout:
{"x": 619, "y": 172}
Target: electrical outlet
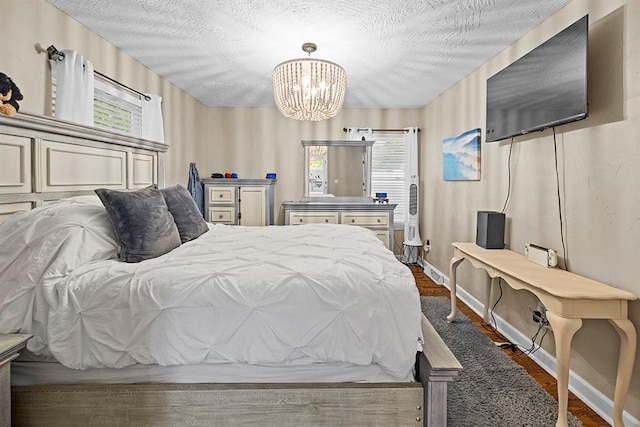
{"x": 540, "y": 315}
{"x": 427, "y": 246}
{"x": 542, "y": 309}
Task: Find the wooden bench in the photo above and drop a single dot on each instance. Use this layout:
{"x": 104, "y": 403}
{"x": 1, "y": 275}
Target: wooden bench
{"x": 436, "y": 367}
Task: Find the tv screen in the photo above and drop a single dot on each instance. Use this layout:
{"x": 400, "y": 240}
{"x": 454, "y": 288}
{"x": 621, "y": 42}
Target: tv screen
{"x": 547, "y": 87}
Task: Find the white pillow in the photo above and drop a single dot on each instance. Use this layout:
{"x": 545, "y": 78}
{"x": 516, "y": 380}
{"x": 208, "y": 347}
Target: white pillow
{"x": 45, "y": 242}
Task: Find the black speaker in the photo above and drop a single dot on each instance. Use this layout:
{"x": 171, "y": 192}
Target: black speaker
{"x": 490, "y": 230}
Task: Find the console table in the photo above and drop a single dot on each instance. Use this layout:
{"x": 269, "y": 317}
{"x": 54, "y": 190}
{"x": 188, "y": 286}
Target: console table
{"x": 569, "y": 298}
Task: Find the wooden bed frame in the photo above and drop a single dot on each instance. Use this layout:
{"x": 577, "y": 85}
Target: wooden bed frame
{"x": 43, "y": 159}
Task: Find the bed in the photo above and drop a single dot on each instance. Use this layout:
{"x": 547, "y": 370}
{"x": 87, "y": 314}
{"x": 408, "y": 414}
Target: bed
{"x": 308, "y": 325}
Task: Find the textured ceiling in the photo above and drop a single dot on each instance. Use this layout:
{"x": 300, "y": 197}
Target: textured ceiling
{"x": 397, "y": 53}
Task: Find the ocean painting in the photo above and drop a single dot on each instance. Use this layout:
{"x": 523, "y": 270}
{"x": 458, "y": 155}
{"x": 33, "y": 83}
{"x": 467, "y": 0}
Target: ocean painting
{"x": 461, "y": 157}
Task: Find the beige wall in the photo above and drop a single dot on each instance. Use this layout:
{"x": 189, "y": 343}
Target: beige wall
{"x": 599, "y": 168}
{"x": 35, "y": 24}
{"x": 254, "y": 141}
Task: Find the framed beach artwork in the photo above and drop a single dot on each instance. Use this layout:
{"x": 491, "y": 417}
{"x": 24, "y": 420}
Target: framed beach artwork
{"x": 461, "y": 157}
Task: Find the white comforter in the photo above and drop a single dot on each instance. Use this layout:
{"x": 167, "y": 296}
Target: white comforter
{"x": 258, "y": 295}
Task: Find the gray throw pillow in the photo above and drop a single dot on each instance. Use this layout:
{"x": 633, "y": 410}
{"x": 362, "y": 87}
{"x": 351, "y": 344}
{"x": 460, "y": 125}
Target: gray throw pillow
{"x": 142, "y": 223}
{"x": 185, "y": 212}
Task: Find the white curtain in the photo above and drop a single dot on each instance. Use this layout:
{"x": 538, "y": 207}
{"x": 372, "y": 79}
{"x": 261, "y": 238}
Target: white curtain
{"x": 362, "y": 134}
{"x": 152, "y": 124}
{"x": 74, "y": 88}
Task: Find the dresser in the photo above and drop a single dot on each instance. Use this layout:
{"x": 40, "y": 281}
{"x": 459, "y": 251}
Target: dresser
{"x": 357, "y": 211}
{"x": 239, "y": 201}
{"x": 10, "y": 345}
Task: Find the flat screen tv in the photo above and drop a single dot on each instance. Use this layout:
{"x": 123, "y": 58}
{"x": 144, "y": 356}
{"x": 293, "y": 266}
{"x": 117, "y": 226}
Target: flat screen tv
{"x": 547, "y": 87}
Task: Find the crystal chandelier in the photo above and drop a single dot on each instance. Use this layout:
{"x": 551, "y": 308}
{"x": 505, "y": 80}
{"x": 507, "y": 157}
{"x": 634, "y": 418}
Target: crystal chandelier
{"x": 309, "y": 89}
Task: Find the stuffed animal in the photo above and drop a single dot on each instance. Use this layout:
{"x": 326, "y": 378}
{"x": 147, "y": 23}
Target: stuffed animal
{"x": 9, "y": 95}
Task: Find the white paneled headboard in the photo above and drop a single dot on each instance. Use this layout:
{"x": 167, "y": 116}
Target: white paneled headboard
{"x": 44, "y": 159}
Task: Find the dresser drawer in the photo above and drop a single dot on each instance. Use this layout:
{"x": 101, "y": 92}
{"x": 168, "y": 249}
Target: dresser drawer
{"x": 365, "y": 219}
{"x": 222, "y": 215}
{"x": 299, "y": 218}
{"x": 384, "y": 236}
{"x": 222, "y": 194}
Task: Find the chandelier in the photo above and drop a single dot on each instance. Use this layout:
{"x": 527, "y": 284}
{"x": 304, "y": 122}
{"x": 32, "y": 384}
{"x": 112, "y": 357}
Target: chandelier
{"x": 309, "y": 89}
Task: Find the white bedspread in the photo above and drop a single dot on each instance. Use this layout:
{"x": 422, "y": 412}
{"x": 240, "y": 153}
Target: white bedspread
{"x": 257, "y": 295}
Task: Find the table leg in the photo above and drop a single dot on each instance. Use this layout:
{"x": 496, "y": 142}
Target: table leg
{"x": 487, "y": 298}
{"x": 628, "y": 338}
{"x": 452, "y": 284}
{"x": 563, "y": 331}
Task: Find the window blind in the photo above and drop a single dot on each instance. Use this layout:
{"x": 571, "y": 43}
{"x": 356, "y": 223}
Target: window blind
{"x": 116, "y": 110}
{"x": 387, "y": 172}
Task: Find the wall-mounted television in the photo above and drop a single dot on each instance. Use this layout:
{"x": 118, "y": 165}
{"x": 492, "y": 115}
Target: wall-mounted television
{"x": 547, "y": 87}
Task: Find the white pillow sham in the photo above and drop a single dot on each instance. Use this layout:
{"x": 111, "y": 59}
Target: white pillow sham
{"x": 44, "y": 243}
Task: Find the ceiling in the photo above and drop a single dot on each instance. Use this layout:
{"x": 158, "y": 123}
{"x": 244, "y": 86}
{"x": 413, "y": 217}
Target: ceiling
{"x": 397, "y": 53}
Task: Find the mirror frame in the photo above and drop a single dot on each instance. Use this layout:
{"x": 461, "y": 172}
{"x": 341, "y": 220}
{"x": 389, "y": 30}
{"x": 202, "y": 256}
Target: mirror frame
{"x": 366, "y": 167}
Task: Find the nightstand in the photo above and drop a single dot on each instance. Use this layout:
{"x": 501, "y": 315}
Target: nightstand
{"x": 10, "y": 345}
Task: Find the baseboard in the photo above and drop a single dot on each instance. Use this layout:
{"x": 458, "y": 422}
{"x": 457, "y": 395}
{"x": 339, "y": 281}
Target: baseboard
{"x": 593, "y": 398}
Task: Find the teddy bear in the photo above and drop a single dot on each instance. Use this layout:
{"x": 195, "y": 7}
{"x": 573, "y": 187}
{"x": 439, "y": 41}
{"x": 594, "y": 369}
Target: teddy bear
{"x": 9, "y": 95}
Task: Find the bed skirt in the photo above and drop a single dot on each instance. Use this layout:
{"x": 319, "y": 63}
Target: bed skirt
{"x": 42, "y": 373}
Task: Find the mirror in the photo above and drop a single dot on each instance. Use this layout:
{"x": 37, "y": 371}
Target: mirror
{"x": 337, "y": 168}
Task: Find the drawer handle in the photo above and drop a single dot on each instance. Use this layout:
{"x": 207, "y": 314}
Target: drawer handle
{"x": 221, "y": 196}
{"x": 300, "y": 219}
{"x": 326, "y": 220}
{"x": 220, "y": 216}
{"x": 353, "y": 220}
{"x": 378, "y": 220}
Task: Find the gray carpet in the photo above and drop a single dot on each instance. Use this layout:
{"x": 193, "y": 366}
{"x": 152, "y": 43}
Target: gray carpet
{"x": 492, "y": 390}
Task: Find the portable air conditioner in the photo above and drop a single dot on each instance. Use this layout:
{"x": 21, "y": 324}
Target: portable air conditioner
{"x": 412, "y": 239}
{"x": 411, "y": 228}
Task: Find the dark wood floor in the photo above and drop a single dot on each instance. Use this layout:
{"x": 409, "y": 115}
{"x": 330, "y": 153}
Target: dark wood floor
{"x": 581, "y": 411}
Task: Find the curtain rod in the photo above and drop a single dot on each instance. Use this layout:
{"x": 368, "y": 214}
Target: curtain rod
{"x": 57, "y": 55}
{"x": 384, "y": 130}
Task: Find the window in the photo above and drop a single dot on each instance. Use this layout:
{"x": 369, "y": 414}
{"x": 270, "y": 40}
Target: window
{"x": 116, "y": 110}
{"x": 113, "y": 109}
{"x": 387, "y": 170}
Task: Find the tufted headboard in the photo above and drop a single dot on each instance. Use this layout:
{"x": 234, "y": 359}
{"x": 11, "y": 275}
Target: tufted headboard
{"x": 44, "y": 159}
